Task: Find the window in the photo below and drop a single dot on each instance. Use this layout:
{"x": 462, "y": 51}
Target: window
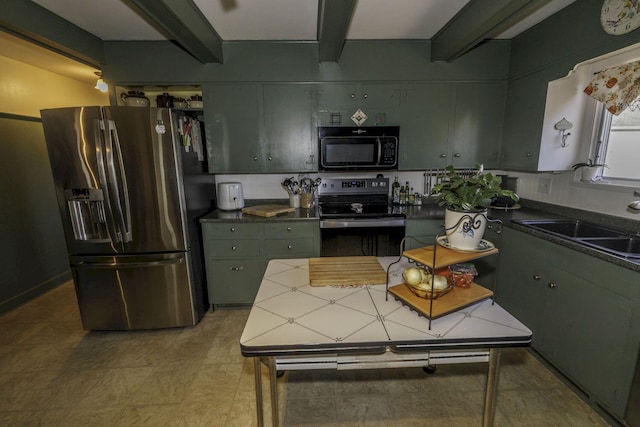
{"x": 619, "y": 144}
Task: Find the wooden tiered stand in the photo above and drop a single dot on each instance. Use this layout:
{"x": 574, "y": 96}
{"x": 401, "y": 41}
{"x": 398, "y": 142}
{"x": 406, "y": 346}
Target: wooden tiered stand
{"x": 435, "y": 257}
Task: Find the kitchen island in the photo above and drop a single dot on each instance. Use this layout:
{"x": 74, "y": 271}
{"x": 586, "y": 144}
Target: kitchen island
{"x": 294, "y": 326}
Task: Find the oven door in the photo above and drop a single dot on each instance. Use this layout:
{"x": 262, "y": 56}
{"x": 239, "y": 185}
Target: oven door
{"x": 356, "y": 237}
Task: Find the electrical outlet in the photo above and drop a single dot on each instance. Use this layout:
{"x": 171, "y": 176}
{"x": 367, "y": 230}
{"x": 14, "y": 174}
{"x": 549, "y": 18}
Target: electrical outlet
{"x": 544, "y": 185}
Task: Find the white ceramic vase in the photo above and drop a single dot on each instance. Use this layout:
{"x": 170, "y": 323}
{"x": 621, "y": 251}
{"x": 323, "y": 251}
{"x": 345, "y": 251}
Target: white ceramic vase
{"x": 591, "y": 173}
{"x": 464, "y": 230}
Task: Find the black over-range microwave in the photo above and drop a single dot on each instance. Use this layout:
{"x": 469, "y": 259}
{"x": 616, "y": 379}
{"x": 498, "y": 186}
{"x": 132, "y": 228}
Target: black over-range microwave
{"x": 358, "y": 148}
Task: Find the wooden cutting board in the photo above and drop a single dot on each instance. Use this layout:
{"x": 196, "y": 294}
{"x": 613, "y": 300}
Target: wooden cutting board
{"x": 454, "y": 300}
{"x": 267, "y": 210}
{"x": 346, "y": 271}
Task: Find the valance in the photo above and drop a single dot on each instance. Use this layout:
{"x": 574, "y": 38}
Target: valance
{"x": 616, "y": 87}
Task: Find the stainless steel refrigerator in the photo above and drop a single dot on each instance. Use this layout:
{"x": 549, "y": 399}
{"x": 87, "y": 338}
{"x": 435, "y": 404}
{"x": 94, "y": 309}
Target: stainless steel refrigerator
{"x": 131, "y": 233}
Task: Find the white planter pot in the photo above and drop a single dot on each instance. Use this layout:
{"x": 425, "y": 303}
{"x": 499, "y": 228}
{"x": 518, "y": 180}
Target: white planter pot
{"x": 591, "y": 173}
{"x": 464, "y": 230}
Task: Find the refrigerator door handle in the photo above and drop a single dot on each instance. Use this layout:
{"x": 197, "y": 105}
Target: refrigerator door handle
{"x": 84, "y": 264}
{"x": 124, "y": 214}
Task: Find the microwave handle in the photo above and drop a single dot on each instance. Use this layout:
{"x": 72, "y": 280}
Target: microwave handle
{"x": 379, "y": 150}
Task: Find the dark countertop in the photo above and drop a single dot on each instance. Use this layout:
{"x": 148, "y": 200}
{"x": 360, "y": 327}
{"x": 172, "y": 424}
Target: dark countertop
{"x": 537, "y": 210}
{"x": 529, "y": 210}
{"x": 300, "y": 214}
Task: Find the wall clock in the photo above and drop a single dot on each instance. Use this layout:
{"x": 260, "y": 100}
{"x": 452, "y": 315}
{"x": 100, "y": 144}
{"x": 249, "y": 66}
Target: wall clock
{"x": 620, "y": 16}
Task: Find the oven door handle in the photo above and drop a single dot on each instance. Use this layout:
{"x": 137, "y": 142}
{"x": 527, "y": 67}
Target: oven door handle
{"x": 362, "y": 223}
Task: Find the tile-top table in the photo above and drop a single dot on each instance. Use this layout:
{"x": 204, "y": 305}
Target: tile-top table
{"x": 293, "y": 325}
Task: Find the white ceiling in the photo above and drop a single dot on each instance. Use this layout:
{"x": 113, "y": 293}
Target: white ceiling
{"x": 112, "y": 20}
{"x": 282, "y": 19}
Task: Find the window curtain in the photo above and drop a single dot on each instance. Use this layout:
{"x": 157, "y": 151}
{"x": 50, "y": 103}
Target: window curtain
{"x": 616, "y": 87}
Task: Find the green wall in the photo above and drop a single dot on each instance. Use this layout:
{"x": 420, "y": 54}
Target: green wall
{"x": 548, "y": 52}
{"x": 149, "y": 63}
{"x": 33, "y": 253}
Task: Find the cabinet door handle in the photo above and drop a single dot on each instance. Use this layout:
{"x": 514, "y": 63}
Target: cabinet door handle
{"x": 233, "y": 230}
{"x": 552, "y": 285}
{"x": 269, "y": 158}
{"x": 457, "y": 155}
{"x": 536, "y": 277}
{"x": 233, "y": 248}
{"x": 365, "y": 96}
{"x": 288, "y": 228}
{"x": 443, "y": 155}
{"x": 289, "y": 247}
{"x": 236, "y": 268}
{"x": 255, "y": 158}
{"x": 529, "y": 154}
{"x": 353, "y": 95}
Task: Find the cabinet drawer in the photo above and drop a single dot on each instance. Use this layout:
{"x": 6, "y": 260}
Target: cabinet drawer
{"x": 231, "y": 230}
{"x": 290, "y": 248}
{"x": 294, "y": 229}
{"x": 232, "y": 248}
{"x": 234, "y": 282}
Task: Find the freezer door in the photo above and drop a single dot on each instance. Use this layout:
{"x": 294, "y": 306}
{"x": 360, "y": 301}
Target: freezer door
{"x": 78, "y": 156}
{"x": 147, "y": 171}
{"x": 134, "y": 292}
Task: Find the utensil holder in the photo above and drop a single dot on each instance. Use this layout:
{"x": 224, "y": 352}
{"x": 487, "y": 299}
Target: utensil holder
{"x": 306, "y": 200}
{"x": 294, "y": 200}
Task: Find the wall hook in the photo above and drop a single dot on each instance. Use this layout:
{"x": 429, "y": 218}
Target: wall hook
{"x": 563, "y": 125}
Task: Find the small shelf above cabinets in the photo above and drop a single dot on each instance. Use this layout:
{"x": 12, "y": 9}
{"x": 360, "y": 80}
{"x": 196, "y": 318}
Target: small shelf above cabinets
{"x": 185, "y": 98}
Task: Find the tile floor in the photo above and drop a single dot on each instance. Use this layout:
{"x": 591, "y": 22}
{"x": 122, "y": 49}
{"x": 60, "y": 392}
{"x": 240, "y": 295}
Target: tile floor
{"x": 52, "y": 373}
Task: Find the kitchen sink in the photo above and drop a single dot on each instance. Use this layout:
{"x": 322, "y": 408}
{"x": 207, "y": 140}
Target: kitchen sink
{"x": 628, "y": 247}
{"x": 572, "y": 228}
{"x": 588, "y": 234}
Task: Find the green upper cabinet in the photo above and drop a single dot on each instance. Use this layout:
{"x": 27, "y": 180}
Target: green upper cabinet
{"x": 523, "y": 123}
{"x": 337, "y": 102}
{"x": 266, "y": 128}
{"x": 232, "y": 121}
{"x": 272, "y": 127}
{"x": 290, "y": 127}
{"x": 451, "y": 123}
{"x": 424, "y": 133}
{"x": 476, "y": 130}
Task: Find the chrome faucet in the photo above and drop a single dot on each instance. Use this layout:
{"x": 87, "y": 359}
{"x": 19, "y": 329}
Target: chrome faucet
{"x": 635, "y": 204}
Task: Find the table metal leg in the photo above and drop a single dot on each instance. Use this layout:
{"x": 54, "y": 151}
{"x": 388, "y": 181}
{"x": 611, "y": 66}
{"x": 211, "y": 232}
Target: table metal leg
{"x": 492, "y": 388}
{"x": 274, "y": 391}
{"x": 258, "y": 380}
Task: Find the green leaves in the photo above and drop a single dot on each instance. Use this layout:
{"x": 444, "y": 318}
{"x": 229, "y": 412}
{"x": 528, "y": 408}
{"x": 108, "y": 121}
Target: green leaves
{"x": 473, "y": 193}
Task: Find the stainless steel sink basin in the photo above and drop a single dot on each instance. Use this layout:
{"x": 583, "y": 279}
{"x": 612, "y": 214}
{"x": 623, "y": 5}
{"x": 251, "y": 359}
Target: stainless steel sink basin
{"x": 572, "y": 228}
{"x": 596, "y": 236}
{"x": 628, "y": 247}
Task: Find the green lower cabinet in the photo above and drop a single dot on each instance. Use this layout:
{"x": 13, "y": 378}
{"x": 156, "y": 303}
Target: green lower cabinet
{"x": 234, "y": 281}
{"x": 583, "y": 313}
{"x": 236, "y": 254}
{"x": 423, "y": 232}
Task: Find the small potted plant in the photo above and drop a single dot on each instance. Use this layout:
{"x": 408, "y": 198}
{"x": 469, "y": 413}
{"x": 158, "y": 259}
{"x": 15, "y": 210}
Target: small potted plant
{"x": 466, "y": 200}
{"x": 590, "y": 171}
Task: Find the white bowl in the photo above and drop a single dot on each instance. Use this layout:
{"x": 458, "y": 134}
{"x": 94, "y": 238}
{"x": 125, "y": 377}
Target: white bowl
{"x": 195, "y": 104}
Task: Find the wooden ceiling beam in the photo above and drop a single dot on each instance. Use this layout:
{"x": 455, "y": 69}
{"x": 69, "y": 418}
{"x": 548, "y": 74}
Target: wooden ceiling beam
{"x": 183, "y": 22}
{"x": 477, "y": 21}
{"x": 32, "y": 22}
{"x": 334, "y": 17}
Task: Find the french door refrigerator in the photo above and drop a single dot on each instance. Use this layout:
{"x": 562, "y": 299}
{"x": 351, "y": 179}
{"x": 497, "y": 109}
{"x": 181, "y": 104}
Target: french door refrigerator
{"x": 133, "y": 248}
